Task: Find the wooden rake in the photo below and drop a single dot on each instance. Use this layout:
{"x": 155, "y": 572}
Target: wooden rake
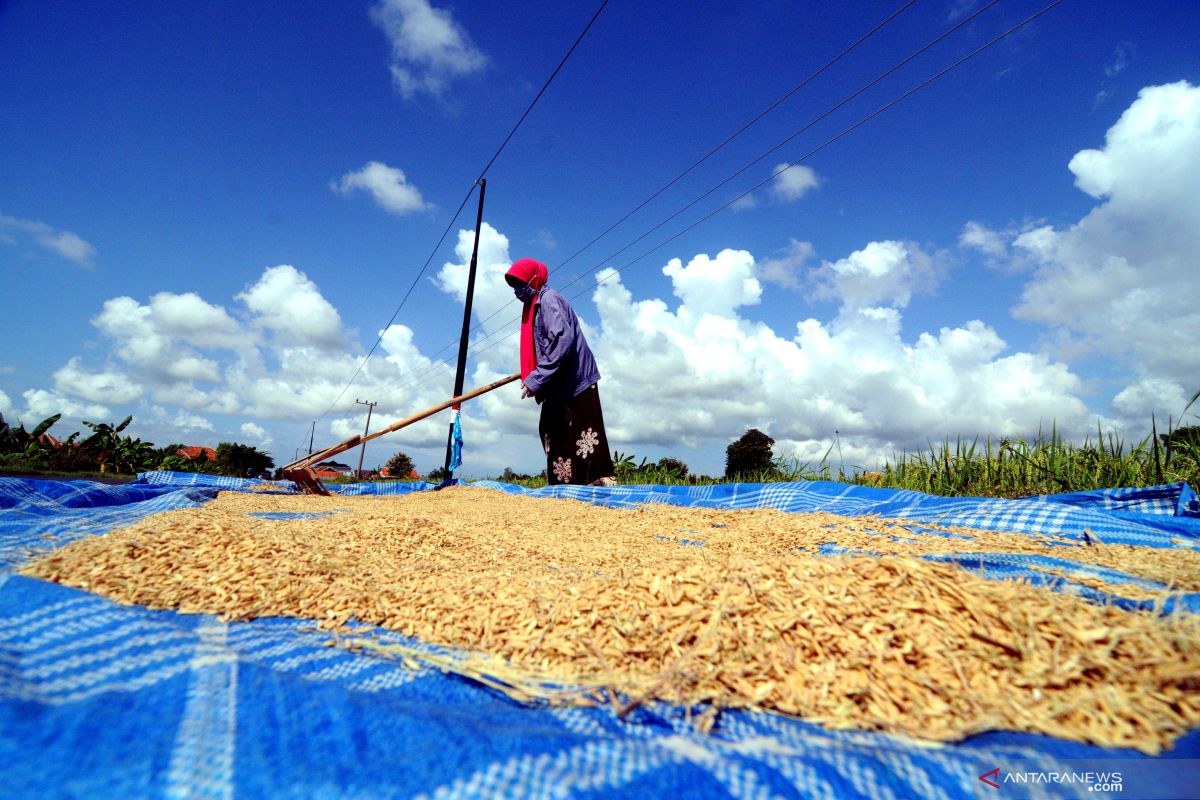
{"x": 301, "y": 471}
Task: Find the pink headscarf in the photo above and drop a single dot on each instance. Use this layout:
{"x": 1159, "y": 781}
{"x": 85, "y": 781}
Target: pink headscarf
{"x": 535, "y": 274}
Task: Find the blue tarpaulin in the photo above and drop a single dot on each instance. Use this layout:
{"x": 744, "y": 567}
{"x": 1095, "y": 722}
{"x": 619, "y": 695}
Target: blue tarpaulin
{"x": 104, "y": 700}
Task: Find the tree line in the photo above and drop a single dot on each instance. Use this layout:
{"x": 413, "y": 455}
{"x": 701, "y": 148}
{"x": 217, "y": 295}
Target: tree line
{"x": 106, "y": 450}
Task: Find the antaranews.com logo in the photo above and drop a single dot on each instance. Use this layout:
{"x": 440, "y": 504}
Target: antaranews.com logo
{"x": 1125, "y": 778}
{"x": 1110, "y": 781}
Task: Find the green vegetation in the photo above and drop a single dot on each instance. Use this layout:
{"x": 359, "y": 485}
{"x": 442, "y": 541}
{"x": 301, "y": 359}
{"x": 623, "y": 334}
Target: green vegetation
{"x": 1008, "y": 467}
{"x": 400, "y": 466}
{"x": 1016, "y": 468}
{"x": 749, "y": 455}
{"x": 107, "y": 452}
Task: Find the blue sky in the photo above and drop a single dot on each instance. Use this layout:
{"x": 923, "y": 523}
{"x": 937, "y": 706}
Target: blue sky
{"x": 209, "y": 213}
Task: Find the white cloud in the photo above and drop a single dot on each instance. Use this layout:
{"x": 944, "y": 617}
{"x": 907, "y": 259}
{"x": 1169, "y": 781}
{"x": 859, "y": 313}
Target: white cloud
{"x": 387, "y": 185}
{"x": 6, "y": 406}
{"x": 101, "y": 387}
{"x": 983, "y": 239}
{"x": 191, "y": 319}
{"x": 788, "y": 269}
{"x": 743, "y": 202}
{"x": 493, "y": 303}
{"x": 145, "y": 346}
{"x": 678, "y": 375}
{"x": 715, "y": 286}
{"x": 285, "y": 302}
{"x": 429, "y": 48}
{"x": 697, "y": 367}
{"x": 1137, "y": 404}
{"x": 256, "y": 433}
{"x": 792, "y": 183}
{"x": 1120, "y": 282}
{"x": 185, "y": 421}
{"x": 67, "y": 244}
{"x": 40, "y": 404}
{"x": 882, "y": 273}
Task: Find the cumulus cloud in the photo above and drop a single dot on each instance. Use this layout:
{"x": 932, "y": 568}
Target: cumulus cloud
{"x": 677, "y": 375}
{"x": 697, "y": 367}
{"x": 191, "y": 319}
{"x": 1117, "y": 283}
{"x": 789, "y": 267}
{"x": 493, "y": 305}
{"x": 715, "y": 286}
{"x": 40, "y": 404}
{"x": 980, "y": 237}
{"x": 429, "y": 48}
{"x": 285, "y": 302}
{"x": 792, "y": 183}
{"x": 67, "y": 244}
{"x": 180, "y": 421}
{"x": 387, "y": 185}
{"x": 256, "y": 434}
{"x": 882, "y": 273}
{"x": 143, "y": 345}
{"x": 101, "y": 387}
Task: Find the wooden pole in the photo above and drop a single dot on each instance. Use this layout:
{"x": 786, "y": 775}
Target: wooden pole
{"x": 466, "y": 326}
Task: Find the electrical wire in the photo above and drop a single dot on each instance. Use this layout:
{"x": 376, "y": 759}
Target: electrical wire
{"x": 508, "y": 333}
{"x": 882, "y": 76}
{"x": 463, "y": 204}
{"x": 846, "y": 131}
{"x": 829, "y": 141}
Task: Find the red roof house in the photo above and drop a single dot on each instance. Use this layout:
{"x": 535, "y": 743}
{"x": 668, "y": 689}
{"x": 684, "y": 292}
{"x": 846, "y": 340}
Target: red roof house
{"x": 193, "y": 452}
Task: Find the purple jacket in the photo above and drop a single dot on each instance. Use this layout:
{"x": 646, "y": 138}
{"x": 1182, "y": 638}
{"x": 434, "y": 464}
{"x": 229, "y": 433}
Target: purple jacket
{"x": 565, "y": 363}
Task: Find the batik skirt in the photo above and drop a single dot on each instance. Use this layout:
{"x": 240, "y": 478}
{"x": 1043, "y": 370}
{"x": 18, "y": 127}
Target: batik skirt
{"x": 573, "y": 436}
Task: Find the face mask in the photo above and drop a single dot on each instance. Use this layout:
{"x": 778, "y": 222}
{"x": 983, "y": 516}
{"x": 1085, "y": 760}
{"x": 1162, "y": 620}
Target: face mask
{"x": 525, "y": 293}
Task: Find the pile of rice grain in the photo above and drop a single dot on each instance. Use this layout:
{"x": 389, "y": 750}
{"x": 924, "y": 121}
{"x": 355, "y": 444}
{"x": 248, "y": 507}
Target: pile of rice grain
{"x": 630, "y": 601}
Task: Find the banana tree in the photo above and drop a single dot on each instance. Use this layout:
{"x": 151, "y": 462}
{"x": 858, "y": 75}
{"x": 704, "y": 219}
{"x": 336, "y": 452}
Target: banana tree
{"x": 104, "y": 441}
{"x": 132, "y": 455}
{"x": 19, "y": 440}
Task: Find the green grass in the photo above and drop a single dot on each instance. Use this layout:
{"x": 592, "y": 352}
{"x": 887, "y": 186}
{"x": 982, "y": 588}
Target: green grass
{"x": 1006, "y": 467}
{"x": 1017, "y": 468}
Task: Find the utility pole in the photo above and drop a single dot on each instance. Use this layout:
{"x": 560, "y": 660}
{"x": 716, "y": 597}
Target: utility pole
{"x": 312, "y": 434}
{"x": 466, "y": 326}
{"x": 362, "y": 451}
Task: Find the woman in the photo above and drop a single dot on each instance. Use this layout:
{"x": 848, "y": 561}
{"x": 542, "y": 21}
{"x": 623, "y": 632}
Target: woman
{"x": 559, "y": 372}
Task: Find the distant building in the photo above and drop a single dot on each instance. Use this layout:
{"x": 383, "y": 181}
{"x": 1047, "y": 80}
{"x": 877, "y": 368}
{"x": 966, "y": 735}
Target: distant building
{"x": 333, "y": 469}
{"x": 195, "y": 451}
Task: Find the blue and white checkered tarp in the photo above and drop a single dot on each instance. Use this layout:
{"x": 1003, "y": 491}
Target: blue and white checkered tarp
{"x": 99, "y": 700}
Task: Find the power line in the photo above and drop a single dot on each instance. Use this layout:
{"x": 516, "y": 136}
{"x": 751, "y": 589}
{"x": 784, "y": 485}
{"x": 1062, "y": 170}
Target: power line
{"x": 804, "y": 157}
{"x": 962, "y": 22}
{"x": 463, "y": 204}
{"x": 807, "y": 126}
{"x": 807, "y": 155}
{"x": 834, "y": 138}
{"x": 758, "y": 117}
{"x": 545, "y": 86}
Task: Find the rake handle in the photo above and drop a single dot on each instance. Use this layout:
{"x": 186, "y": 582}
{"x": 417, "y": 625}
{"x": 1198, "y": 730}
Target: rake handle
{"x": 356, "y": 440}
